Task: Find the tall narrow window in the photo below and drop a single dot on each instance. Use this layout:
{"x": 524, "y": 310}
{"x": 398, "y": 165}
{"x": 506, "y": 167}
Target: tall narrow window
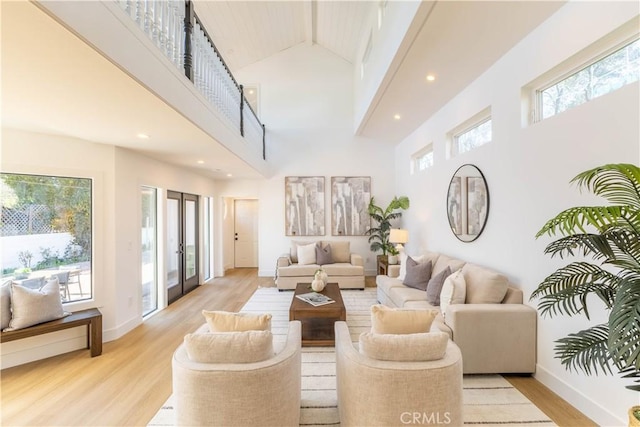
{"x": 598, "y": 78}
{"x": 208, "y": 238}
{"x": 149, "y": 241}
{"x": 47, "y": 231}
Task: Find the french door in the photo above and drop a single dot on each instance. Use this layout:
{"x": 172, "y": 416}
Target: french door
{"x": 182, "y": 244}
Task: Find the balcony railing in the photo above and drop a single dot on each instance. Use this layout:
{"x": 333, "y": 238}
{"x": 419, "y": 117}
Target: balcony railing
{"x": 174, "y": 27}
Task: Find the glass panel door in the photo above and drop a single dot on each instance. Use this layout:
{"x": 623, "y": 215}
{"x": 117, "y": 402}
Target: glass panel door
{"x": 182, "y": 244}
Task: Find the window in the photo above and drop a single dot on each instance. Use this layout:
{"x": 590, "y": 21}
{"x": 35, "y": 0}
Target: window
{"x": 149, "y": 250}
{"x": 603, "y": 75}
{"x": 46, "y": 230}
{"x": 471, "y": 134}
{"x": 208, "y": 238}
{"x": 422, "y": 160}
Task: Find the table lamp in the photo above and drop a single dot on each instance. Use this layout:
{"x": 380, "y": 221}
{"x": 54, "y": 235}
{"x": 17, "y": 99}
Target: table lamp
{"x": 398, "y": 236}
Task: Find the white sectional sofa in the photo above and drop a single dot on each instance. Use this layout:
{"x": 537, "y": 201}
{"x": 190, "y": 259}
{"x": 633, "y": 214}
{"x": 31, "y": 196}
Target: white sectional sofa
{"x": 346, "y": 268}
{"x": 494, "y": 337}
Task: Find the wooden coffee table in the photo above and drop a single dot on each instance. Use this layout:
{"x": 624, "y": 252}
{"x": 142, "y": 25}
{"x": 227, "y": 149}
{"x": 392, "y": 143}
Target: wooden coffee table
{"x": 317, "y": 322}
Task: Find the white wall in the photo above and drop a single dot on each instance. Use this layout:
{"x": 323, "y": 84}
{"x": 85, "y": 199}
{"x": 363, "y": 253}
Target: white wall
{"x": 528, "y": 171}
{"x": 117, "y": 176}
{"x": 306, "y": 101}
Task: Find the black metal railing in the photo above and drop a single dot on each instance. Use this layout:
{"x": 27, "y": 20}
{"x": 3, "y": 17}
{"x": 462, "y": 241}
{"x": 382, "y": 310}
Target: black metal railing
{"x": 176, "y": 30}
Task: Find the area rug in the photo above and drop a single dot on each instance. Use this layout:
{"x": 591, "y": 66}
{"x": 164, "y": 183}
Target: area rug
{"x": 489, "y": 400}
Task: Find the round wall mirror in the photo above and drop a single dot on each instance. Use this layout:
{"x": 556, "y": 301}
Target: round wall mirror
{"x": 467, "y": 203}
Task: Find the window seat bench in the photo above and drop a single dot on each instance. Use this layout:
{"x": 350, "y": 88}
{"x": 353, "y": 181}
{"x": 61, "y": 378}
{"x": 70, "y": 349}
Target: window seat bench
{"x": 91, "y": 317}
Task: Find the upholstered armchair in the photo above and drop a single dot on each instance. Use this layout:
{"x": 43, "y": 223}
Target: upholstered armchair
{"x": 396, "y": 393}
{"x": 263, "y": 393}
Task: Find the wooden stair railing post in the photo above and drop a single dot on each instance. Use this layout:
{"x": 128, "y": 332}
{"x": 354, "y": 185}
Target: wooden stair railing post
{"x": 241, "y": 110}
{"x": 189, "y": 19}
{"x": 264, "y": 146}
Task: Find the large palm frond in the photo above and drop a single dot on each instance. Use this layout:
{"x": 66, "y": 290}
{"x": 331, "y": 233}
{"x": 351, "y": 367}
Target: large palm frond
{"x": 611, "y": 235}
{"x": 586, "y": 350}
{"x": 566, "y": 290}
{"x": 624, "y": 324}
{"x": 618, "y": 183}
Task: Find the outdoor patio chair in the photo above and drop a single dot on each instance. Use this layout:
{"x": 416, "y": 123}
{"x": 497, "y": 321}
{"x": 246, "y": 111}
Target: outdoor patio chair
{"x": 63, "y": 280}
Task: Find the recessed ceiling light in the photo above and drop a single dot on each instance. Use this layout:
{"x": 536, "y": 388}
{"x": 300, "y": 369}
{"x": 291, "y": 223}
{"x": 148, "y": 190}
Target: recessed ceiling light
{"x": 250, "y": 91}
{"x": 229, "y": 175}
{"x": 200, "y": 162}
{"x": 430, "y": 77}
{"x": 396, "y": 116}
{"x": 143, "y": 136}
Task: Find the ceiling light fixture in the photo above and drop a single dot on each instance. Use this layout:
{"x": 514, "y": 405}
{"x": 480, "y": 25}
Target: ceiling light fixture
{"x": 143, "y": 136}
{"x": 396, "y": 116}
{"x": 229, "y": 175}
{"x": 200, "y": 162}
{"x": 430, "y": 77}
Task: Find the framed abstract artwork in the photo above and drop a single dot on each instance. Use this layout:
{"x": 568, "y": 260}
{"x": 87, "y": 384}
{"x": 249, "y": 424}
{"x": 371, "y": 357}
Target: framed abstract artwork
{"x": 349, "y": 200}
{"x": 477, "y": 204}
{"x": 304, "y": 206}
{"x": 454, "y": 205}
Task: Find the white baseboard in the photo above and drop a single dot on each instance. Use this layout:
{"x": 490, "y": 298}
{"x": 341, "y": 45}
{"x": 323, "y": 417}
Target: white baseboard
{"x": 19, "y": 352}
{"x": 119, "y": 331}
{"x": 578, "y": 400}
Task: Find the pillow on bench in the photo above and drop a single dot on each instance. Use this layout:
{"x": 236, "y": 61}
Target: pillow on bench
{"x": 30, "y": 306}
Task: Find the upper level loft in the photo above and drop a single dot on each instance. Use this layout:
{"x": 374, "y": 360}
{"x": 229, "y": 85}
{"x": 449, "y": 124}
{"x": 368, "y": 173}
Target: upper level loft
{"x": 142, "y": 75}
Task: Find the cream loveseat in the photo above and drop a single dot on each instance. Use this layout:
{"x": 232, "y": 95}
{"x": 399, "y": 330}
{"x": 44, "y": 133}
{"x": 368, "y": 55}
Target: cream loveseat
{"x": 494, "y": 330}
{"x": 335, "y": 257}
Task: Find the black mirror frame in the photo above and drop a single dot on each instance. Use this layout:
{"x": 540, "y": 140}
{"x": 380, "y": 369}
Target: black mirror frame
{"x": 448, "y": 199}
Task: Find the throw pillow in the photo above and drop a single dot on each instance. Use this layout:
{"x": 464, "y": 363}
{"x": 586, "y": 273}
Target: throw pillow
{"x": 293, "y": 251}
{"x": 484, "y": 286}
{"x": 5, "y": 304}
{"x": 35, "y": 283}
{"x": 454, "y": 291}
{"x": 323, "y": 255}
{"x": 403, "y": 264}
{"x": 307, "y": 254}
{"x": 434, "y": 287}
{"x": 30, "y": 306}
{"x": 404, "y": 348}
{"x": 417, "y": 275}
{"x": 224, "y": 321}
{"x": 341, "y": 251}
{"x": 229, "y": 347}
{"x": 385, "y": 320}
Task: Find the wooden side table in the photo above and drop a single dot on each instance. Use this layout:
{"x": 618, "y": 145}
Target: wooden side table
{"x": 383, "y": 265}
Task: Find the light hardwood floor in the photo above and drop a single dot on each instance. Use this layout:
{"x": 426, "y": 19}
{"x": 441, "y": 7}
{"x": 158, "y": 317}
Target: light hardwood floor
{"x": 129, "y": 382}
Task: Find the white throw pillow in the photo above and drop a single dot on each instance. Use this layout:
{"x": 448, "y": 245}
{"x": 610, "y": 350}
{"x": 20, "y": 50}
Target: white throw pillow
{"x": 224, "y": 321}
{"x": 386, "y": 320}
{"x": 404, "y": 348}
{"x": 307, "y": 254}
{"x": 403, "y": 264}
{"x": 454, "y": 291}
{"x": 229, "y": 347}
{"x": 30, "y": 306}
{"x": 5, "y": 304}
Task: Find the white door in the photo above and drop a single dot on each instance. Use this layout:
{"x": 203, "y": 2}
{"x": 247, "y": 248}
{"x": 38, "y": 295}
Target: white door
{"x": 246, "y": 233}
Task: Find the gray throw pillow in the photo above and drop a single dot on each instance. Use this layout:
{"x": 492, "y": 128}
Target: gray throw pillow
{"x": 418, "y": 274}
{"x": 30, "y": 307}
{"x": 434, "y": 287}
{"x": 323, "y": 255}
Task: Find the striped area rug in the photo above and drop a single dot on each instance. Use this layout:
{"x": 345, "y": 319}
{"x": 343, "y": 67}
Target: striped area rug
{"x": 489, "y": 400}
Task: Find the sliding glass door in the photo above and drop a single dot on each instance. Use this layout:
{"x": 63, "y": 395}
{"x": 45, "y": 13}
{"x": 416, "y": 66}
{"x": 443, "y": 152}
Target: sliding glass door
{"x": 149, "y": 241}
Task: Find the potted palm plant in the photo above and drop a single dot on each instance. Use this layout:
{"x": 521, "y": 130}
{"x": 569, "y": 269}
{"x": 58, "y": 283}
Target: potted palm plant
{"x": 610, "y": 236}
{"x": 379, "y": 234}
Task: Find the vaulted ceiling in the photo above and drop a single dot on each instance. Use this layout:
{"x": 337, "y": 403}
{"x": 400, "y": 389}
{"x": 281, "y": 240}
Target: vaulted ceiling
{"x": 457, "y": 40}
